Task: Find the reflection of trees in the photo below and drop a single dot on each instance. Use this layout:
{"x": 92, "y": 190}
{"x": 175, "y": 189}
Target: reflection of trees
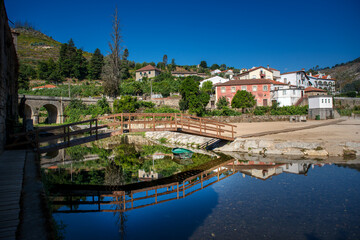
{"x": 113, "y": 175}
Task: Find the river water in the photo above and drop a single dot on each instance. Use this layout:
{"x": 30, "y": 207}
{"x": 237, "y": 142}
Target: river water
{"x": 141, "y": 196}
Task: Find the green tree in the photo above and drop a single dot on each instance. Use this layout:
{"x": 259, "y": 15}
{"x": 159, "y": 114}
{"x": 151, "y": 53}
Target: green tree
{"x": 126, "y": 104}
{"x": 96, "y": 64}
{"x": 243, "y": 99}
{"x": 24, "y": 77}
{"x": 53, "y": 73}
{"x": 222, "y": 103}
{"x": 79, "y": 70}
{"x": 207, "y": 87}
{"x": 203, "y": 64}
{"x": 214, "y": 66}
{"x": 125, "y": 54}
{"x": 165, "y": 59}
{"x": 223, "y": 67}
{"x": 192, "y": 98}
{"x": 67, "y": 58}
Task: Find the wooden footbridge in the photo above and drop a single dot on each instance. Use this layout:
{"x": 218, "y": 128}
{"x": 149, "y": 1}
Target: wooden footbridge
{"x": 57, "y": 137}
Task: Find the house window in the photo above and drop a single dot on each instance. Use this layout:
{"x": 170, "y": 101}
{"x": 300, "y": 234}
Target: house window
{"x": 254, "y": 88}
{"x": 322, "y": 100}
{"x": 233, "y": 89}
{"x": 254, "y": 76}
{"x": 149, "y": 72}
{"x": 329, "y": 100}
{"x": 284, "y": 92}
{"x": 223, "y": 89}
{"x": 243, "y": 88}
{"x": 285, "y": 80}
{"x": 293, "y": 92}
{"x": 265, "y": 88}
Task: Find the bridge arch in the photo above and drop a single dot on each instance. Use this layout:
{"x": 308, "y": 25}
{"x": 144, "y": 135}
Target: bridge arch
{"x": 52, "y": 111}
{"x": 28, "y": 112}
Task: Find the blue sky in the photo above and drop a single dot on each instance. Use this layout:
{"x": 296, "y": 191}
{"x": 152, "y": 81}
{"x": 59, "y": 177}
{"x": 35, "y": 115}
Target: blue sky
{"x": 287, "y": 35}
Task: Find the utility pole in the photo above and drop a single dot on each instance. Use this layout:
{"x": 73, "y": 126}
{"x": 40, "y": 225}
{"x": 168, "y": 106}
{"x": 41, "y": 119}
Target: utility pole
{"x": 150, "y": 89}
{"x": 69, "y": 90}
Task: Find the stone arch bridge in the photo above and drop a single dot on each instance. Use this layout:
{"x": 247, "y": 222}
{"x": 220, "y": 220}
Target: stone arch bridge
{"x": 55, "y": 107}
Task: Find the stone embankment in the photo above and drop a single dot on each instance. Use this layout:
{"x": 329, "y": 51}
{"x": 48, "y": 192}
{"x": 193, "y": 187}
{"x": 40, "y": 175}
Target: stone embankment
{"x": 295, "y": 148}
{"x": 313, "y": 149}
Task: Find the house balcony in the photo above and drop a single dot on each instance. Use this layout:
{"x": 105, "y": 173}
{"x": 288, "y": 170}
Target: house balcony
{"x": 262, "y": 75}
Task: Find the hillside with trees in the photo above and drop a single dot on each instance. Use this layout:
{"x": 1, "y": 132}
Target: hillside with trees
{"x": 347, "y": 74}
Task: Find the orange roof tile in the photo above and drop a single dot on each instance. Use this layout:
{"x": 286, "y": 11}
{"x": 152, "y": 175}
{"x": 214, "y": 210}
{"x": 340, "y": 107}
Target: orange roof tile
{"x": 148, "y": 68}
{"x": 313, "y": 89}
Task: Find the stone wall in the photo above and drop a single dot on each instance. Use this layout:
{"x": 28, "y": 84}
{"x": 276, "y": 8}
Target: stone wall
{"x": 171, "y": 102}
{"x": 346, "y": 102}
{"x": 251, "y": 118}
{"x": 8, "y": 78}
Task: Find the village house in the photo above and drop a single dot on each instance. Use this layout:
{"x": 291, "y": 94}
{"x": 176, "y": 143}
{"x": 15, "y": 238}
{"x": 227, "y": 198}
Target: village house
{"x": 186, "y": 74}
{"x": 255, "y": 73}
{"x": 284, "y": 94}
{"x": 148, "y": 71}
{"x": 322, "y": 81}
{"x": 309, "y": 91}
{"x": 260, "y": 88}
{"x": 320, "y": 107}
{"x": 214, "y": 80}
{"x": 296, "y": 78}
{"x": 214, "y": 72}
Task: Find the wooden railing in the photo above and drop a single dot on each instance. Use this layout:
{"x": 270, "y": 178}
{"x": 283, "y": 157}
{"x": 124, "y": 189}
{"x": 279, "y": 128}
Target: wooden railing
{"x": 48, "y": 134}
{"x": 122, "y": 123}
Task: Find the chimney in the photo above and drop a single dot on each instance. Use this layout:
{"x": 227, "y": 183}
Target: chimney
{"x": 268, "y": 66}
{"x": 303, "y": 69}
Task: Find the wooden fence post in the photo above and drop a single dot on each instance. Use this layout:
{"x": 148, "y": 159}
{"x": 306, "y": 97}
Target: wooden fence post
{"x": 122, "y": 124}
{"x": 153, "y": 122}
{"x": 232, "y": 131}
{"x": 96, "y": 130}
{"x": 175, "y": 121}
{"x": 68, "y": 136}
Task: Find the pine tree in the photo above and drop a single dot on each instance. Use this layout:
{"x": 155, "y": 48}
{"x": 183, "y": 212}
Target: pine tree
{"x": 96, "y": 65}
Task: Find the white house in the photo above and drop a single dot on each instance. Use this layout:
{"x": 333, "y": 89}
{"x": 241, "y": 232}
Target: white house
{"x": 322, "y": 106}
{"x": 256, "y": 73}
{"x": 284, "y": 94}
{"x": 297, "y": 78}
{"x": 216, "y": 71}
{"x": 323, "y": 81}
{"x": 214, "y": 80}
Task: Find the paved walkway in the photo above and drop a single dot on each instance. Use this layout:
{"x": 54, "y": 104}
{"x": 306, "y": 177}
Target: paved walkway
{"x": 292, "y": 128}
{"x": 11, "y": 180}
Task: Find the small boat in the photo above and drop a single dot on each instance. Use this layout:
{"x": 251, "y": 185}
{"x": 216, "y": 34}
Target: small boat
{"x": 182, "y": 153}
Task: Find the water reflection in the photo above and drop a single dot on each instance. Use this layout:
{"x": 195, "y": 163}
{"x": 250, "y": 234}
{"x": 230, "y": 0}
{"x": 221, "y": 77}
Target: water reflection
{"x": 237, "y": 197}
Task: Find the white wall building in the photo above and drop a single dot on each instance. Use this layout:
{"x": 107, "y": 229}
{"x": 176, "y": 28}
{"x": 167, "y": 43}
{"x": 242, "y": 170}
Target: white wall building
{"x": 297, "y": 78}
{"x": 285, "y": 95}
{"x": 214, "y": 80}
{"x": 216, "y": 71}
{"x": 323, "y": 81}
{"x": 322, "y": 106}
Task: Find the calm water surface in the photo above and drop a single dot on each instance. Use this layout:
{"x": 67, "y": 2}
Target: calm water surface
{"x": 233, "y": 200}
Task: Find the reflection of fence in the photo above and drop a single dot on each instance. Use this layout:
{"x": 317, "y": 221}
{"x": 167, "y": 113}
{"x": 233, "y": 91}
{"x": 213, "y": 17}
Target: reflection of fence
{"x": 127, "y": 200}
{"x": 123, "y": 122}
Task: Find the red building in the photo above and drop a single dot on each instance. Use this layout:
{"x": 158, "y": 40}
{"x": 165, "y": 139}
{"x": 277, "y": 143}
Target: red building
{"x": 260, "y": 88}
